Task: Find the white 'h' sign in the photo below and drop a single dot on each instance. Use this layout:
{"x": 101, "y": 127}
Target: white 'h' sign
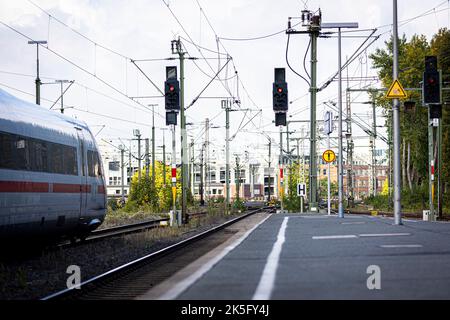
{"x": 301, "y": 189}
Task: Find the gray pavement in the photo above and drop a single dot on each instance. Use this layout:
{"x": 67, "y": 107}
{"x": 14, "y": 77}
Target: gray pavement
{"x": 321, "y": 257}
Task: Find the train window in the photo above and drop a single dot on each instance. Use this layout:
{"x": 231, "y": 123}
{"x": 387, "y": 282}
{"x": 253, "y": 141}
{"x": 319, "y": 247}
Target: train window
{"x": 25, "y": 153}
{"x": 6, "y": 151}
{"x": 98, "y": 169}
{"x": 91, "y": 164}
{"x": 38, "y": 154}
{"x": 94, "y": 166}
{"x": 57, "y": 156}
{"x": 70, "y": 160}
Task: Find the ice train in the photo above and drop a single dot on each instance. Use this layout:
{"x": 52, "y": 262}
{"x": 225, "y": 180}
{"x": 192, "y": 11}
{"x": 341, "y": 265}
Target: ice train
{"x": 51, "y": 174}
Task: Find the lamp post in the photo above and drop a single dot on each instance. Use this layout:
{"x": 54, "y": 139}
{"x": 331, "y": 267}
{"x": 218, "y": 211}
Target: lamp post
{"x": 153, "y": 144}
{"x": 339, "y": 26}
{"x": 38, "y": 80}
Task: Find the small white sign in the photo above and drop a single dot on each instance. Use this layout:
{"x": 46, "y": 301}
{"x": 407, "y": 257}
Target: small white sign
{"x": 435, "y": 122}
{"x": 328, "y": 122}
{"x": 301, "y": 189}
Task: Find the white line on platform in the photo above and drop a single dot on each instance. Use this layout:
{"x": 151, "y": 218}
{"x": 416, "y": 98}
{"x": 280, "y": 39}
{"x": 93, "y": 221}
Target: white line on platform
{"x": 265, "y": 286}
{"x": 345, "y": 236}
{"x": 357, "y": 222}
{"x": 175, "y": 291}
{"x": 401, "y": 246}
{"x": 384, "y": 234}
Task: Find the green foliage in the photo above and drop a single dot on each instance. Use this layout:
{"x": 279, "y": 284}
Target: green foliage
{"x": 379, "y": 202}
{"x": 414, "y": 123}
{"x": 238, "y": 205}
{"x": 323, "y": 189}
{"x": 156, "y": 199}
{"x": 219, "y": 199}
{"x": 440, "y": 46}
{"x": 291, "y": 201}
{"x": 412, "y": 200}
{"x": 112, "y": 204}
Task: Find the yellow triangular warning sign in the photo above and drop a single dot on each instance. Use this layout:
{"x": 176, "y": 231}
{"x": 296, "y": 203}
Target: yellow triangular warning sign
{"x": 396, "y": 91}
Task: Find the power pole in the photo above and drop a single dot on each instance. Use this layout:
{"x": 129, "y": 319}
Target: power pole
{"x": 174, "y": 176}
{"x": 122, "y": 175}
{"x": 184, "y": 173}
{"x": 252, "y": 169}
{"x": 237, "y": 178}
{"x": 202, "y": 200}
{"x": 147, "y": 158}
{"x": 61, "y": 82}
{"x": 314, "y": 25}
{"x": 280, "y": 162}
{"x": 288, "y": 162}
{"x": 38, "y": 80}
{"x": 350, "y": 193}
{"x": 227, "y": 152}
{"x": 341, "y": 149}
{"x": 439, "y": 166}
{"x": 396, "y": 126}
{"x": 130, "y": 167}
{"x": 374, "y": 159}
{"x": 313, "y": 33}
{"x": 193, "y": 166}
{"x": 190, "y": 167}
{"x": 153, "y": 147}
{"x": 164, "y": 161}
{"x": 137, "y": 134}
{"x": 207, "y": 167}
{"x": 270, "y": 164}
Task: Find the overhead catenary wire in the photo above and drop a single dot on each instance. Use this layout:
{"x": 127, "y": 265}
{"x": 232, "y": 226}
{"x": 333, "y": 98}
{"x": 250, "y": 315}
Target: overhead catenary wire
{"x": 76, "y": 65}
{"x": 289, "y": 65}
{"x": 68, "y": 106}
{"x": 77, "y": 32}
{"x": 77, "y": 83}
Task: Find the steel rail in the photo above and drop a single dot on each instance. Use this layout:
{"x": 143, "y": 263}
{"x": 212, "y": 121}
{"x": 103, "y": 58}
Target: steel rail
{"x": 140, "y": 262}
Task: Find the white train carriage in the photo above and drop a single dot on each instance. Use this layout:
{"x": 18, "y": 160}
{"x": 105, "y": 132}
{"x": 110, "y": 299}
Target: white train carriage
{"x": 51, "y": 175}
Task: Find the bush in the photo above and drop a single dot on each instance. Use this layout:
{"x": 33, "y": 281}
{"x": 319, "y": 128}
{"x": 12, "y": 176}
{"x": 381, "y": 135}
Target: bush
{"x": 112, "y": 204}
{"x": 219, "y": 199}
{"x": 379, "y": 202}
{"x": 238, "y": 205}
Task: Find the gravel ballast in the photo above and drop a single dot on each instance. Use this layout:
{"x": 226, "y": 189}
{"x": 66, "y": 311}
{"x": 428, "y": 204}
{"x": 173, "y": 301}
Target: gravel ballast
{"x": 46, "y": 273}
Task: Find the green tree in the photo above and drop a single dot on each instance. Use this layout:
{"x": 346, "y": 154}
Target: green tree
{"x": 158, "y": 199}
{"x": 413, "y": 123}
{"x": 440, "y": 46}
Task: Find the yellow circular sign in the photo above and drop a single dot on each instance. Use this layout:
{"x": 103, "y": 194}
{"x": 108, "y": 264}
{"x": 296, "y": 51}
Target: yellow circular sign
{"x": 329, "y": 156}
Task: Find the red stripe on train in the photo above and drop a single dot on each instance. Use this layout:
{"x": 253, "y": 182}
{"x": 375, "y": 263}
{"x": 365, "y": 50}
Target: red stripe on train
{"x": 100, "y": 189}
{"x": 23, "y": 186}
{"x": 43, "y": 187}
{"x": 66, "y": 188}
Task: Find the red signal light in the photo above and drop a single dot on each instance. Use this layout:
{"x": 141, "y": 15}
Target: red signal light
{"x": 431, "y": 80}
{"x": 280, "y": 90}
{"x": 171, "y": 88}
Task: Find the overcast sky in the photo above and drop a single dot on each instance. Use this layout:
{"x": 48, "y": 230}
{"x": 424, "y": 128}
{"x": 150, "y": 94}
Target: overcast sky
{"x": 143, "y": 29}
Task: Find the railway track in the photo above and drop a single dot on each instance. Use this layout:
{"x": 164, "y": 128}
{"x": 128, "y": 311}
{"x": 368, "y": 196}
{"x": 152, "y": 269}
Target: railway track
{"x": 101, "y": 234}
{"x": 136, "y": 277}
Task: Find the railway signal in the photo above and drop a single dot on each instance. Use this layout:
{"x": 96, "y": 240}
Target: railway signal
{"x": 172, "y": 95}
{"x": 431, "y": 93}
{"x": 431, "y": 82}
{"x": 280, "y": 97}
